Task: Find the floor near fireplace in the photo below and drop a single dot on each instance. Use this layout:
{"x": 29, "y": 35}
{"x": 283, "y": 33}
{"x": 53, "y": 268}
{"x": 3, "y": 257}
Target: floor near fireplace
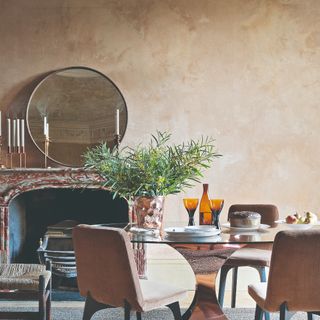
{"x": 66, "y": 295}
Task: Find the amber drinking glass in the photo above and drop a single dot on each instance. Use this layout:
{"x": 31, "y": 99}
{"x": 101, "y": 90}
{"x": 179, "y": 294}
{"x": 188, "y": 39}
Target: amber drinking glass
{"x": 191, "y": 205}
{"x": 216, "y": 206}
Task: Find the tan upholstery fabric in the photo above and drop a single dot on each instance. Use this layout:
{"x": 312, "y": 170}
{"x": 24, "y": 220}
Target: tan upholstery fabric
{"x": 269, "y": 212}
{"x": 157, "y": 294}
{"x": 106, "y": 269}
{"x": 294, "y": 273}
{"x": 250, "y": 257}
{"x": 22, "y": 276}
{"x": 242, "y": 257}
{"x": 258, "y": 292}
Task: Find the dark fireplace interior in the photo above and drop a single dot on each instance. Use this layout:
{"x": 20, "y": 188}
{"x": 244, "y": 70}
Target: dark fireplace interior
{"x": 32, "y": 212}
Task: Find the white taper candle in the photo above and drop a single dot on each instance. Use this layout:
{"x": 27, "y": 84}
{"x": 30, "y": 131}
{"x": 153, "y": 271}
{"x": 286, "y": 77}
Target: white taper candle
{"x": 14, "y": 133}
{"x": 22, "y": 133}
{"x": 45, "y": 125}
{"x": 118, "y": 122}
{"x": 18, "y": 133}
{"x": 9, "y": 132}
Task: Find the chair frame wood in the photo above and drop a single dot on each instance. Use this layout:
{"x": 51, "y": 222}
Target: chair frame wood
{"x": 43, "y": 296}
{"x": 285, "y": 314}
{"x": 92, "y": 306}
{"x": 228, "y": 266}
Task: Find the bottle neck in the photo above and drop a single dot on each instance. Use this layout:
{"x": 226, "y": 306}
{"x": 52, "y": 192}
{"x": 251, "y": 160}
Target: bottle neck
{"x": 205, "y": 188}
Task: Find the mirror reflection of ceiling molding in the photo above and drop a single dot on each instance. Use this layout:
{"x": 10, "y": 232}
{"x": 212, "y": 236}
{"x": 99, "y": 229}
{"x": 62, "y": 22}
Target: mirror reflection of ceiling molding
{"x": 80, "y": 105}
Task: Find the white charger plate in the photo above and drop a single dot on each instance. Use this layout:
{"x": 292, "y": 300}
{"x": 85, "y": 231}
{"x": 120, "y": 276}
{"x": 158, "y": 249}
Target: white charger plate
{"x": 261, "y": 226}
{"x": 197, "y": 233}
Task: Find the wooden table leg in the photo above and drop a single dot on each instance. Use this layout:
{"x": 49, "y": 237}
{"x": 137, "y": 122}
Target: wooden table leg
{"x": 205, "y": 262}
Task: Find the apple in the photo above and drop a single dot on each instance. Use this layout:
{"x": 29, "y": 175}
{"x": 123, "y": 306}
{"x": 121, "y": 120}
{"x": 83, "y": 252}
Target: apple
{"x": 291, "y": 219}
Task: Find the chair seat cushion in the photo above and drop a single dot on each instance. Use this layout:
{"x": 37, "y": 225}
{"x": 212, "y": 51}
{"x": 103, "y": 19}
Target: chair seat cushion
{"x": 250, "y": 257}
{"x": 22, "y": 276}
{"x": 258, "y": 293}
{"x": 156, "y": 294}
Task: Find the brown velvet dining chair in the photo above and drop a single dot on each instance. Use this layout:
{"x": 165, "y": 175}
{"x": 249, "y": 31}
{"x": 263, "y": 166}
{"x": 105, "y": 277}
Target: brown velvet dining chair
{"x": 294, "y": 281}
{"x": 108, "y": 276}
{"x": 256, "y": 255}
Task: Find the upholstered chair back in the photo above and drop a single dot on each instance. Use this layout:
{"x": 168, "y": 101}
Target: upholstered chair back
{"x": 294, "y": 271}
{"x": 269, "y": 212}
{"x": 105, "y": 266}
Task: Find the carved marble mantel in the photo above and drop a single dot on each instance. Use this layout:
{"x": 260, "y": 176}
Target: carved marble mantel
{"x": 17, "y": 181}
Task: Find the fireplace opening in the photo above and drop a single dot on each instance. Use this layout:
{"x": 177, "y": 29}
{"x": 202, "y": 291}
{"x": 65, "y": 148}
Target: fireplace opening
{"x": 33, "y": 211}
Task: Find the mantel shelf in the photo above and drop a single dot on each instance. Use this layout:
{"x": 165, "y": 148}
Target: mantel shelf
{"x": 14, "y": 182}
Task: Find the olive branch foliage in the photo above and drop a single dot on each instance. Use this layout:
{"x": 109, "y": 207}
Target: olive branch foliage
{"x": 157, "y": 169}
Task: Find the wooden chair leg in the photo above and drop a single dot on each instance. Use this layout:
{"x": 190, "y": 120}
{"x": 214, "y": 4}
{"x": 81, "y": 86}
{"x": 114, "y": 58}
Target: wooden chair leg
{"x": 262, "y": 273}
{"x": 138, "y": 315}
{"x": 42, "y": 298}
{"x": 48, "y": 292}
{"x": 263, "y": 278}
{"x": 258, "y": 313}
{"x": 91, "y": 306}
{"x": 234, "y": 287}
{"x": 283, "y": 312}
{"x": 175, "y": 308}
{"x": 310, "y": 316}
{"x": 222, "y": 285}
{"x": 127, "y": 310}
{"x": 48, "y": 301}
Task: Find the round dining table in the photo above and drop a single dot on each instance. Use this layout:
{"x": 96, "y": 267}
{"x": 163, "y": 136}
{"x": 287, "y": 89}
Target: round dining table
{"x": 206, "y": 255}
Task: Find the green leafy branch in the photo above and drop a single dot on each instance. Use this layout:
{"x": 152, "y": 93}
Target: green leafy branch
{"x": 157, "y": 169}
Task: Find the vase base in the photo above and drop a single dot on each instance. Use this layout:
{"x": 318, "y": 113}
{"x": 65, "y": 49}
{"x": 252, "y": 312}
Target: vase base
{"x": 138, "y": 230}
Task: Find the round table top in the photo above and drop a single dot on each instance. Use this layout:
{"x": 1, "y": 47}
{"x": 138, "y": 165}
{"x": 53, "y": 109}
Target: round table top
{"x": 227, "y": 235}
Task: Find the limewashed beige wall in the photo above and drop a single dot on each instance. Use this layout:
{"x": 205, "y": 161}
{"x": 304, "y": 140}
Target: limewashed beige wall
{"x": 245, "y": 72}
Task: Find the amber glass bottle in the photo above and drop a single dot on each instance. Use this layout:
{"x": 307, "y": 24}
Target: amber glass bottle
{"x": 205, "y": 214}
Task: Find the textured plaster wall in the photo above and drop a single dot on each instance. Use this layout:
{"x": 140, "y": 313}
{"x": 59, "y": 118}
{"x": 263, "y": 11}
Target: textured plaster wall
{"x": 245, "y": 72}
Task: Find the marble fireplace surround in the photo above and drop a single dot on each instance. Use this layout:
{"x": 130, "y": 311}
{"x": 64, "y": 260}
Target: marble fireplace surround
{"x": 14, "y": 182}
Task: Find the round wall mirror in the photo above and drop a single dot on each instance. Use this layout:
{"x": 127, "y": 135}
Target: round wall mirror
{"x": 74, "y": 109}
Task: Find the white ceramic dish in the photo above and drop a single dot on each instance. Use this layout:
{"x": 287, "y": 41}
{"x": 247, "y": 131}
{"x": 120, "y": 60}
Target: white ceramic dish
{"x": 200, "y": 228}
{"x": 136, "y": 230}
{"x": 298, "y": 226}
{"x": 262, "y": 226}
{"x": 182, "y": 232}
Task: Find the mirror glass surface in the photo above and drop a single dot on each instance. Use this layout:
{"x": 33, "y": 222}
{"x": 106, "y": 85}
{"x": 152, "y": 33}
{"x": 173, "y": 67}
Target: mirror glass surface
{"x": 80, "y": 106}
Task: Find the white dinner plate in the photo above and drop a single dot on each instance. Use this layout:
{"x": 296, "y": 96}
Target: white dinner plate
{"x": 262, "y": 226}
{"x": 141, "y": 231}
{"x": 201, "y": 228}
{"x": 182, "y": 232}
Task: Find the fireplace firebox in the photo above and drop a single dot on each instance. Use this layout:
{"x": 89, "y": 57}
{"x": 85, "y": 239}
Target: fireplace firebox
{"x": 33, "y": 199}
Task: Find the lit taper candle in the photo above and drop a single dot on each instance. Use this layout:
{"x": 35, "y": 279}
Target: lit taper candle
{"x": 45, "y": 125}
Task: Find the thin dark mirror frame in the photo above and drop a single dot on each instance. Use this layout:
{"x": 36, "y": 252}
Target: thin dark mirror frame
{"x": 124, "y": 120}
